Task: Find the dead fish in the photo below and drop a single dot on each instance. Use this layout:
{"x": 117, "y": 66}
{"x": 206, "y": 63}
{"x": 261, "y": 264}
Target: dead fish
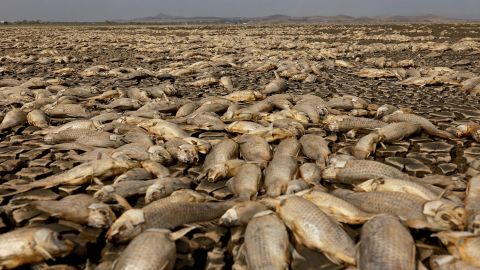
{"x": 467, "y": 129}
{"x": 165, "y": 186}
{"x": 472, "y": 205}
{"x": 416, "y": 211}
{"x": 253, "y": 111}
{"x": 204, "y": 82}
{"x": 288, "y": 147}
{"x": 310, "y": 173}
{"x": 78, "y": 175}
{"x": 254, "y": 148}
{"x": 13, "y": 118}
{"x": 316, "y": 148}
{"x": 449, "y": 262}
{"x": 134, "y": 174}
{"x": 67, "y": 110}
{"x": 150, "y": 250}
{"x": 312, "y": 228}
{"x": 337, "y": 208}
{"x": 163, "y": 215}
{"x": 276, "y": 86}
{"x": 155, "y": 168}
{"x": 386, "y": 244}
{"x": 163, "y": 129}
{"x": 124, "y": 189}
{"x": 187, "y": 109}
{"x": 398, "y": 185}
{"x": 427, "y": 126}
{"x": 214, "y": 165}
{"x": 366, "y": 145}
{"x": 79, "y": 208}
{"x": 266, "y": 242}
{"x": 245, "y": 95}
{"x": 344, "y": 123}
{"x": 246, "y": 183}
{"x": 206, "y": 121}
{"x": 246, "y": 127}
{"x": 37, "y": 118}
{"x": 76, "y": 124}
{"x": 241, "y": 213}
{"x": 296, "y": 186}
{"x": 462, "y": 245}
{"x": 31, "y": 245}
{"x": 182, "y": 150}
{"x": 346, "y": 102}
{"x": 278, "y": 173}
{"x": 226, "y": 82}
{"x": 356, "y": 171}
{"x": 160, "y": 154}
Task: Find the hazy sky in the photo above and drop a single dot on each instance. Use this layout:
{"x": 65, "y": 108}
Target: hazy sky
{"x": 98, "y": 10}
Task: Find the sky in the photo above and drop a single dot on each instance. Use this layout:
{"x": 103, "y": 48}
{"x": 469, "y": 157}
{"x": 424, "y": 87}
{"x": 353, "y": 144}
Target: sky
{"x": 100, "y": 10}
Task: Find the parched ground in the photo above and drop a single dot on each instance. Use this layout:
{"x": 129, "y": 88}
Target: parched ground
{"x": 424, "y": 67}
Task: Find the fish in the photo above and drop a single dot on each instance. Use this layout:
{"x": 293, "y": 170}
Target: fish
{"x": 246, "y": 182}
{"x": 150, "y": 250}
{"x": 163, "y": 215}
{"x": 314, "y": 229}
{"x": 337, "y": 208}
{"x": 386, "y": 244}
{"x": 79, "y": 208}
{"x": 266, "y": 242}
{"x": 32, "y": 245}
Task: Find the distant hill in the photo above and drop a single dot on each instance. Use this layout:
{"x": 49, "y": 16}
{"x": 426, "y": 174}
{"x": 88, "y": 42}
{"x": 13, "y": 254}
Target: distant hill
{"x": 280, "y": 18}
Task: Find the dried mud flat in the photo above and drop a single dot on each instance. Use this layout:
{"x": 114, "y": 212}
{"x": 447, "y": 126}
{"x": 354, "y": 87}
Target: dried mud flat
{"x": 338, "y": 146}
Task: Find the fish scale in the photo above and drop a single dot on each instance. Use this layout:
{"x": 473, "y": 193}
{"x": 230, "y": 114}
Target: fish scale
{"x": 266, "y": 243}
{"x": 386, "y": 244}
{"x": 404, "y": 205}
{"x": 315, "y": 230}
{"x": 150, "y": 250}
{"x": 346, "y": 123}
{"x": 171, "y": 215}
{"x": 426, "y": 125}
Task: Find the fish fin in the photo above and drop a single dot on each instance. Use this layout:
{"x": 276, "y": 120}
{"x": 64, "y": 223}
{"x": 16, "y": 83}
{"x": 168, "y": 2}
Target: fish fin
{"x": 43, "y": 252}
{"x": 383, "y": 146}
{"x": 444, "y": 191}
{"x": 295, "y": 254}
{"x": 182, "y": 232}
{"x": 97, "y": 181}
{"x": 333, "y": 258}
{"x": 417, "y": 223}
{"x": 122, "y": 201}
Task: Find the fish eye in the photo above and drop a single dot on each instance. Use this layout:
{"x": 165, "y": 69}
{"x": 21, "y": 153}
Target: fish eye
{"x": 445, "y": 217}
{"x": 122, "y": 228}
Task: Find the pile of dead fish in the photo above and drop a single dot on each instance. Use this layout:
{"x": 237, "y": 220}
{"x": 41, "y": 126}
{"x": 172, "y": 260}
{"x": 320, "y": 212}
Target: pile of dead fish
{"x": 140, "y": 178}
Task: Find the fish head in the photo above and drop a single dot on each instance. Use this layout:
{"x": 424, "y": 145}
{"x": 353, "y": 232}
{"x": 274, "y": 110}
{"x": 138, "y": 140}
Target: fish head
{"x": 462, "y": 130}
{"x": 382, "y": 111}
{"x": 100, "y": 215}
{"x": 230, "y": 217}
{"x": 187, "y": 154}
{"x": 50, "y": 244}
{"x": 127, "y": 226}
{"x": 217, "y": 172}
{"x": 105, "y": 194}
{"x": 159, "y": 154}
{"x": 202, "y": 146}
{"x": 259, "y": 95}
{"x": 155, "y": 192}
{"x": 444, "y": 215}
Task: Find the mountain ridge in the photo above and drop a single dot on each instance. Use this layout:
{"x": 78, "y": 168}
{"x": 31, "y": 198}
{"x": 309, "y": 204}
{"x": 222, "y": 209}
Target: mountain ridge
{"x": 282, "y": 18}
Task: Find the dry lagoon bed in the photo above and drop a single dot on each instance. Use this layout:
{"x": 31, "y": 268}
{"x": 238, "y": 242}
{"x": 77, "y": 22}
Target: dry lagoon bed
{"x": 240, "y": 146}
